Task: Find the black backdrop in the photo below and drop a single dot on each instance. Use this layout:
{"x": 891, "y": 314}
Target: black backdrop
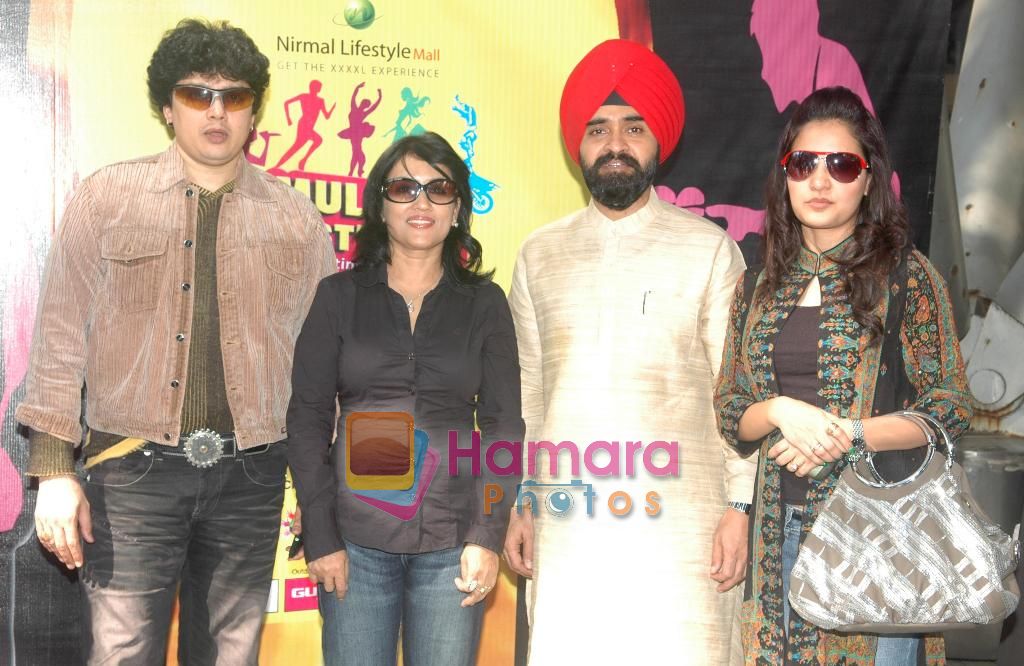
{"x": 732, "y": 125}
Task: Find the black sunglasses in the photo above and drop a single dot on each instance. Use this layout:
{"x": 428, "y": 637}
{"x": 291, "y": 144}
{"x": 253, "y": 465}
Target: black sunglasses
{"x": 440, "y": 191}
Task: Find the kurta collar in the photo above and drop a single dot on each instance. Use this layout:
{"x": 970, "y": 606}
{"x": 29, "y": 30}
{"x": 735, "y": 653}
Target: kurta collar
{"x": 627, "y": 225}
{"x": 170, "y": 172}
{"x": 367, "y": 277}
{"x": 816, "y": 264}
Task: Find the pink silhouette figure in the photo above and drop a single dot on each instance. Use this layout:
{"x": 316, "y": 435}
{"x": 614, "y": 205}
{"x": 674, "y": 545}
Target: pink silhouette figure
{"x": 21, "y": 291}
{"x": 358, "y": 129}
{"x": 741, "y": 220}
{"x": 797, "y": 60}
{"x": 261, "y": 159}
{"x": 312, "y": 106}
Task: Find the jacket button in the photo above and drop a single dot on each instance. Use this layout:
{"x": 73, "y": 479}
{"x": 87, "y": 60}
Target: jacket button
{"x": 167, "y": 436}
{"x": 180, "y": 337}
{"x": 189, "y": 192}
{"x": 174, "y": 383}
{"x": 188, "y": 243}
{"x": 185, "y": 286}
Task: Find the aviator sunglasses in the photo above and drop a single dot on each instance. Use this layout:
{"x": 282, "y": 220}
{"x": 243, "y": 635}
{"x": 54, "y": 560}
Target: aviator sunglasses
{"x": 440, "y": 191}
{"x": 843, "y": 167}
{"x": 201, "y": 98}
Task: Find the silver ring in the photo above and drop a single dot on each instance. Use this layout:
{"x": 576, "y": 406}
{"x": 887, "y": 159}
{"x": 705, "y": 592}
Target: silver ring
{"x": 792, "y": 467}
{"x": 483, "y": 590}
{"x": 472, "y": 585}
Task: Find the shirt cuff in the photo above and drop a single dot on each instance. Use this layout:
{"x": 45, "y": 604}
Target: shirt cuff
{"x": 490, "y": 536}
{"x": 49, "y": 455}
{"x": 320, "y": 533}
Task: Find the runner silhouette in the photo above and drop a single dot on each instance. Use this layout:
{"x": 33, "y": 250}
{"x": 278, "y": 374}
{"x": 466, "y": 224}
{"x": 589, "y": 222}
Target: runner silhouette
{"x": 312, "y": 106}
{"x": 358, "y": 129}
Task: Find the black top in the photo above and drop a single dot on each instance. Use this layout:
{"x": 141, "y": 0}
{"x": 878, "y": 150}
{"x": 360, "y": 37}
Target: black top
{"x": 462, "y": 361}
{"x": 796, "y": 367}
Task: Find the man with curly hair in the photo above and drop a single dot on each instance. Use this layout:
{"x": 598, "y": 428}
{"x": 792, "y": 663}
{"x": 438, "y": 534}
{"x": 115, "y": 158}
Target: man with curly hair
{"x": 174, "y": 291}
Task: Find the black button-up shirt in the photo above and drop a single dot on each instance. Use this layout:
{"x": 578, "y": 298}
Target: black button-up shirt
{"x": 462, "y": 362}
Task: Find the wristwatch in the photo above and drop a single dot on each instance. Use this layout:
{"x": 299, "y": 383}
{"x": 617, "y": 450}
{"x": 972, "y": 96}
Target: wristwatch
{"x": 857, "y": 450}
{"x": 740, "y": 506}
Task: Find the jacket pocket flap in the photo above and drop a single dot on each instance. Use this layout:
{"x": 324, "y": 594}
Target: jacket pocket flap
{"x": 130, "y": 244}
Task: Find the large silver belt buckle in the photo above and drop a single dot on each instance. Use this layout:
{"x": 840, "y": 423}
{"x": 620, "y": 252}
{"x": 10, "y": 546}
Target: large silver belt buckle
{"x": 203, "y": 448}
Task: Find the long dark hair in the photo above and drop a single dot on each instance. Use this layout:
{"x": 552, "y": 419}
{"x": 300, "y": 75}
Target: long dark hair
{"x": 461, "y": 254}
{"x": 882, "y": 229}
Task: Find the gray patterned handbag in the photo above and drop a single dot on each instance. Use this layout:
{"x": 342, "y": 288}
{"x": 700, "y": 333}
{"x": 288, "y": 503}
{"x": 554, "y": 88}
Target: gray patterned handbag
{"x": 914, "y": 556}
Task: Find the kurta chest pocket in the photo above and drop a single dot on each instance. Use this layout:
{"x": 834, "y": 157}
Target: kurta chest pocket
{"x": 136, "y": 260}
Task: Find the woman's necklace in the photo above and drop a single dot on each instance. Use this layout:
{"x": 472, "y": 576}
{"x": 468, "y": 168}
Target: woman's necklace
{"x": 410, "y": 304}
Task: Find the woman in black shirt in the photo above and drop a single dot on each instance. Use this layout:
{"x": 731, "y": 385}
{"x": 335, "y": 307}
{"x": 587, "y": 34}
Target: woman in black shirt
{"x": 414, "y": 343}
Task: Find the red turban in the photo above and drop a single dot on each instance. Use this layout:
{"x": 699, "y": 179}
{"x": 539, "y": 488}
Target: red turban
{"x": 639, "y": 77}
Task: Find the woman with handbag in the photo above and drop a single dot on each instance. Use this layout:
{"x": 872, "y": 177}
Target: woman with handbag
{"x": 844, "y": 325}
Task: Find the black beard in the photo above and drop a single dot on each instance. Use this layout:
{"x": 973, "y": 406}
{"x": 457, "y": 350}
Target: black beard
{"x": 619, "y": 191}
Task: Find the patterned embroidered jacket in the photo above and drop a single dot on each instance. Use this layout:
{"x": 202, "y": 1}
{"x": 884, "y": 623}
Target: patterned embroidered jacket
{"x": 855, "y": 381}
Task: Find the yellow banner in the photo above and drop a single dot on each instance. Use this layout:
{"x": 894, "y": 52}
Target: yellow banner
{"x": 347, "y": 79}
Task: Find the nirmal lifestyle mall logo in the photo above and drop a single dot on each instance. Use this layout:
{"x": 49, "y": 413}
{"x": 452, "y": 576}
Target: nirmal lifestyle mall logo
{"x": 388, "y": 463}
{"x": 358, "y": 14}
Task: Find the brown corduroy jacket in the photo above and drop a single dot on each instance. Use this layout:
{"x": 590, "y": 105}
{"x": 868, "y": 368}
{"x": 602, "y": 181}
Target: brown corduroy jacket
{"x": 115, "y": 307}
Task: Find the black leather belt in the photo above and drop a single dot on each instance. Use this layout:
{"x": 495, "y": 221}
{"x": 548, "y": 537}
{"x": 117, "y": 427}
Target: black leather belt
{"x": 203, "y": 448}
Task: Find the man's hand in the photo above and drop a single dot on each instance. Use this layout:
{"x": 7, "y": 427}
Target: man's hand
{"x": 519, "y": 542}
{"x": 479, "y": 573}
{"x": 729, "y": 550}
{"x": 332, "y": 572}
{"x": 61, "y": 511}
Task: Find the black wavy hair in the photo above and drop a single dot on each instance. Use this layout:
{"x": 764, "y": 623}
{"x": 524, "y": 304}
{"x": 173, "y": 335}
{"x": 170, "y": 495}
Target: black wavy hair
{"x": 461, "y": 254}
{"x": 882, "y": 230}
{"x": 196, "y": 46}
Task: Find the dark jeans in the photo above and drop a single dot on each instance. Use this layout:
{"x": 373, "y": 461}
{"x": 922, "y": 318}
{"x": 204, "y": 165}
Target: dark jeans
{"x": 157, "y": 522}
{"x": 388, "y": 590}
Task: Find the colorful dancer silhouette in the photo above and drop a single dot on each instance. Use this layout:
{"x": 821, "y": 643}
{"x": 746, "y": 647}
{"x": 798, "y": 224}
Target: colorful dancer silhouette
{"x": 483, "y": 201}
{"x": 407, "y": 115}
{"x": 312, "y": 106}
{"x": 358, "y": 129}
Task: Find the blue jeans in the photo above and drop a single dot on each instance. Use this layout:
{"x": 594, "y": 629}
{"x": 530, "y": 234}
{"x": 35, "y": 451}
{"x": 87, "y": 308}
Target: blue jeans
{"x": 892, "y": 650}
{"x": 159, "y": 522}
{"x": 388, "y": 590}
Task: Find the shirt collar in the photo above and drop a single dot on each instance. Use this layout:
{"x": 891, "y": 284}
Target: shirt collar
{"x": 249, "y": 181}
{"x": 816, "y": 263}
{"x": 626, "y": 225}
{"x": 367, "y": 277}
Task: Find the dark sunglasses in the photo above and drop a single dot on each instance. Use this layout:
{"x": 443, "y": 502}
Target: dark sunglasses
{"x": 201, "y": 98}
{"x": 440, "y": 191}
{"x": 843, "y": 167}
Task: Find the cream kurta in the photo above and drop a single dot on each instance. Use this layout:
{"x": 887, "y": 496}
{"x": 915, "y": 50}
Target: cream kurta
{"x": 620, "y": 327}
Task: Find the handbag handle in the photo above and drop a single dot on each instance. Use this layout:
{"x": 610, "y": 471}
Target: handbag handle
{"x": 930, "y": 425}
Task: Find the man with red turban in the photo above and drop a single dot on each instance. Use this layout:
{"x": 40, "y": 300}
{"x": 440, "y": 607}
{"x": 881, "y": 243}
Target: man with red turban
{"x": 635, "y": 546}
